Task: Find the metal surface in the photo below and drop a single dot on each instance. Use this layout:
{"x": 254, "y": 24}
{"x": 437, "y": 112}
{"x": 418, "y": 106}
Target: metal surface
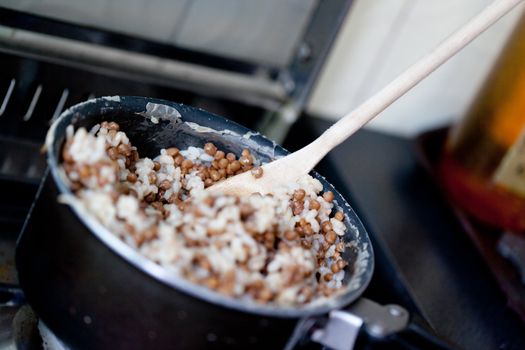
{"x": 341, "y": 331}
{"x": 211, "y": 81}
{"x": 380, "y": 320}
{"x": 344, "y": 326}
{"x": 143, "y": 296}
{"x": 305, "y": 67}
{"x": 21, "y": 139}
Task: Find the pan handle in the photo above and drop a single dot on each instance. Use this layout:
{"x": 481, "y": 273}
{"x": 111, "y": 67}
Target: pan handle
{"x": 383, "y": 326}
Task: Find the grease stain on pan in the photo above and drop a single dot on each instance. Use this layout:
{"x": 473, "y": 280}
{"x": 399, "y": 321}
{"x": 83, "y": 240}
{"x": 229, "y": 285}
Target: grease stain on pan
{"x": 156, "y": 112}
{"x": 205, "y": 129}
{"x": 111, "y": 98}
{"x": 250, "y": 134}
{"x": 245, "y": 139}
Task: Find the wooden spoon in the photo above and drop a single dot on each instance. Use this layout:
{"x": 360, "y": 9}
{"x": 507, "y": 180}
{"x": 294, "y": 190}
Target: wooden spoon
{"x": 290, "y": 168}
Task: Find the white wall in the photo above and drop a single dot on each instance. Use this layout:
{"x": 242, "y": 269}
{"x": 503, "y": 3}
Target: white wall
{"x": 383, "y": 37}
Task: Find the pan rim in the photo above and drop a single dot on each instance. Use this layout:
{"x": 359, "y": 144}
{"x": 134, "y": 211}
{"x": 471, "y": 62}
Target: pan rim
{"x": 163, "y": 275}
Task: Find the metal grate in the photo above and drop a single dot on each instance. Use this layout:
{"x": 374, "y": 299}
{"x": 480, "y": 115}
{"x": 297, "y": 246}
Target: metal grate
{"x": 34, "y": 93}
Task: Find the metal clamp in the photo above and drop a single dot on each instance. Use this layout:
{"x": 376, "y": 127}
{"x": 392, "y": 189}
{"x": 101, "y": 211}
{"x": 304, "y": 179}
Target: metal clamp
{"x": 343, "y": 327}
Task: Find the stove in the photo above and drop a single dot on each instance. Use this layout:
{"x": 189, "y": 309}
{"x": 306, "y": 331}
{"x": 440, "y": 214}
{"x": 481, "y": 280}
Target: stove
{"x": 23, "y": 165}
{"x": 37, "y": 84}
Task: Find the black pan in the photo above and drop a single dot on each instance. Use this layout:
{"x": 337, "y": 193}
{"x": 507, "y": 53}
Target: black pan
{"x": 95, "y": 292}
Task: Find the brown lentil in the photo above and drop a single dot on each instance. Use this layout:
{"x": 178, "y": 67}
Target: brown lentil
{"x": 219, "y": 155}
{"x": 246, "y": 160}
{"x": 214, "y": 175}
{"x": 132, "y": 177}
{"x": 152, "y": 178}
{"x": 150, "y": 197}
{"x": 308, "y": 230}
{"x": 157, "y": 205}
{"x": 306, "y": 244}
{"x": 235, "y": 165}
{"x": 290, "y": 235}
{"x": 210, "y": 148}
{"x": 297, "y": 208}
{"x": 328, "y": 196}
{"x": 124, "y": 149}
{"x": 339, "y": 216}
{"x": 299, "y": 194}
{"x": 165, "y": 185}
{"x": 330, "y": 237}
{"x": 172, "y": 151}
{"x": 265, "y": 295}
{"x": 186, "y": 164}
{"x": 223, "y": 163}
{"x": 245, "y": 210}
{"x": 134, "y": 154}
{"x": 231, "y": 157}
{"x": 112, "y": 153}
{"x": 84, "y": 172}
{"x": 257, "y": 172}
{"x": 178, "y": 159}
{"x": 212, "y": 282}
{"x": 326, "y": 226}
{"x": 229, "y": 170}
{"x": 315, "y": 205}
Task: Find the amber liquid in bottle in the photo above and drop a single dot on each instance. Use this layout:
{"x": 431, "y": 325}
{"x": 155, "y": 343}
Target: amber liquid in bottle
{"x": 483, "y": 165}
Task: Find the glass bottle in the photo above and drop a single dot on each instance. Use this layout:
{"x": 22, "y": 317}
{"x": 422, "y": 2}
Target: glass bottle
{"x": 483, "y": 164}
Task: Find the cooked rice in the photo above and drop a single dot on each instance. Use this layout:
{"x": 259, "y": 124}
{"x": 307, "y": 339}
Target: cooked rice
{"x": 271, "y": 249}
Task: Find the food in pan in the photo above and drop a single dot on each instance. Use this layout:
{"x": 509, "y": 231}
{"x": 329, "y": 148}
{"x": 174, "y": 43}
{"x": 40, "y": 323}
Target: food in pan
{"x": 283, "y": 249}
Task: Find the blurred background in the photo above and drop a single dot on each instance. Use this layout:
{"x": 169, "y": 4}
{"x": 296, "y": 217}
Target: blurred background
{"x": 444, "y": 209}
{"x": 376, "y": 41}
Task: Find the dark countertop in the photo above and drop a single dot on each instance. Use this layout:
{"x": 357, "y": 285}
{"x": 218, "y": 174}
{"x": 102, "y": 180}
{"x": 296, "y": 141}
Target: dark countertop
{"x": 405, "y": 212}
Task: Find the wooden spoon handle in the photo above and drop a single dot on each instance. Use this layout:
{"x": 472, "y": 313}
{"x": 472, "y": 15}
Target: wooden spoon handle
{"x": 354, "y": 120}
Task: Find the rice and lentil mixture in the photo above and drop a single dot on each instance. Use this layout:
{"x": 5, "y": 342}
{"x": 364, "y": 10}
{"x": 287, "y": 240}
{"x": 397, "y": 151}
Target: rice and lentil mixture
{"x": 283, "y": 248}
